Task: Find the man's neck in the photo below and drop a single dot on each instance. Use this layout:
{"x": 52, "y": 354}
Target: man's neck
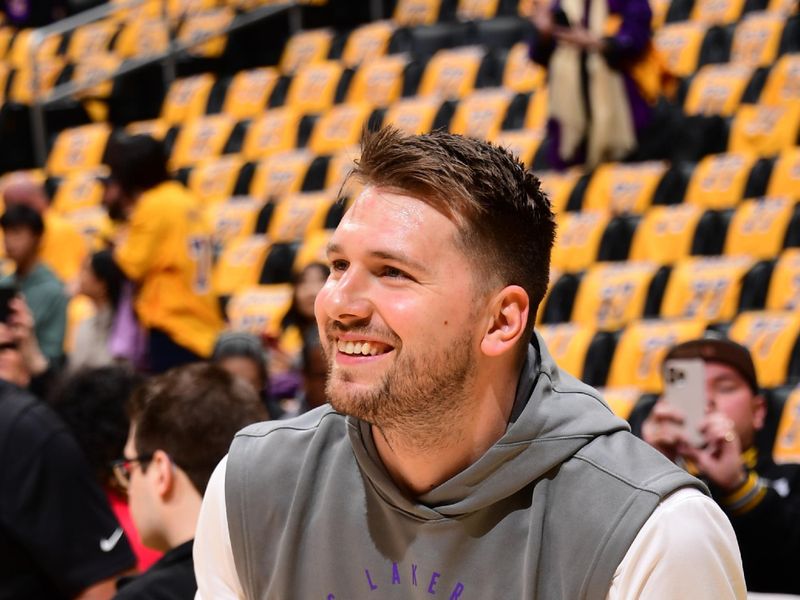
{"x": 24, "y": 268}
{"x": 181, "y": 522}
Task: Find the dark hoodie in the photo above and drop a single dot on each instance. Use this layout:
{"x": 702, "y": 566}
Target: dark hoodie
{"x": 549, "y": 511}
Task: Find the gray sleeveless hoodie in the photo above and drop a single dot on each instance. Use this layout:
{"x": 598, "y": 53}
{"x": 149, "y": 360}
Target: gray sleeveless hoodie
{"x": 548, "y": 512}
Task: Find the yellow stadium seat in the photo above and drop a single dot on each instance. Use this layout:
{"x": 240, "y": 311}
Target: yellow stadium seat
{"x": 783, "y": 7}
{"x": 452, "y": 73}
{"x": 522, "y": 143}
{"x": 79, "y": 309}
{"x": 187, "y": 98}
{"x": 476, "y": 10}
{"x": 680, "y": 44}
{"x": 717, "y": 89}
{"x": 6, "y": 36}
{"x": 63, "y": 246}
{"x": 234, "y": 219}
{"x": 408, "y": 13}
{"x": 665, "y": 233}
{"x": 719, "y": 180}
{"x": 260, "y": 309}
{"x": 339, "y": 127}
{"x": 304, "y": 48}
{"x": 758, "y": 227}
{"x": 413, "y": 115}
{"x": 786, "y": 448}
{"x": 77, "y": 191}
{"x": 19, "y": 53}
{"x": 536, "y": 115}
{"x": 784, "y": 285}
{"x": 379, "y": 81}
{"x": 97, "y": 68}
{"x": 142, "y": 37}
{"x": 249, "y": 92}
{"x": 783, "y": 83}
{"x": 785, "y": 177}
{"x": 199, "y": 28}
{"x": 367, "y": 42}
{"x": 612, "y": 295}
{"x": 520, "y": 73}
{"x": 659, "y": 8}
{"x": 5, "y": 71}
{"x": 92, "y": 223}
{"x": 297, "y": 215}
{"x": 717, "y": 12}
{"x": 78, "y": 148}
{"x": 642, "y": 347}
{"x": 92, "y": 38}
{"x": 763, "y": 129}
{"x": 705, "y": 288}
{"x": 568, "y": 344}
{"x": 578, "y": 237}
{"x": 22, "y": 88}
{"x": 280, "y": 174}
{"x": 179, "y": 9}
{"x": 313, "y": 87}
{"x": 201, "y": 138}
{"x": 339, "y": 167}
{"x": 481, "y": 113}
{"x": 771, "y": 337}
{"x": 623, "y": 188}
{"x": 757, "y": 38}
{"x": 558, "y": 186}
{"x": 156, "y": 128}
{"x": 620, "y": 400}
{"x": 239, "y": 265}
{"x": 313, "y": 250}
{"x": 214, "y": 180}
{"x": 274, "y": 131}
{"x": 555, "y": 274}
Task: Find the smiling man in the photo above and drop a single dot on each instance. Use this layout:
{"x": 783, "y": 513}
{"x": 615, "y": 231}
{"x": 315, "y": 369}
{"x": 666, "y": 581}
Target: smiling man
{"x": 456, "y": 459}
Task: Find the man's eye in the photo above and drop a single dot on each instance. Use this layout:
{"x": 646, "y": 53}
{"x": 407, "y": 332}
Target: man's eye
{"x": 393, "y": 273}
{"x": 339, "y": 265}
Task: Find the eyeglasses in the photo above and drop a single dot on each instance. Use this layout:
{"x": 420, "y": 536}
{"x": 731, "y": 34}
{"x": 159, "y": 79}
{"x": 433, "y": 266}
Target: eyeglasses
{"x": 123, "y": 468}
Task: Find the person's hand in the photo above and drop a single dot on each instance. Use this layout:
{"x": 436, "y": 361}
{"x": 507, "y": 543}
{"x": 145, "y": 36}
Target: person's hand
{"x": 21, "y": 323}
{"x": 663, "y": 429}
{"x": 542, "y": 19}
{"x": 720, "y": 460}
{"x": 579, "y": 37}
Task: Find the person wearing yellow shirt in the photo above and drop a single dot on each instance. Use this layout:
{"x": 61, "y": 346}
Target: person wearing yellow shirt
{"x": 165, "y": 249}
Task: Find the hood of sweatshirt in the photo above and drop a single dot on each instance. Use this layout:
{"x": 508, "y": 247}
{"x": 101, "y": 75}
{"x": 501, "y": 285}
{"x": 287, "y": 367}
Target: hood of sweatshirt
{"x": 554, "y": 416}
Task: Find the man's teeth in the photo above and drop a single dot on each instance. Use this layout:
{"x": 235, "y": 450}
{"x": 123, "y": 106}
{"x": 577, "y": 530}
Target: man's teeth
{"x": 356, "y": 348}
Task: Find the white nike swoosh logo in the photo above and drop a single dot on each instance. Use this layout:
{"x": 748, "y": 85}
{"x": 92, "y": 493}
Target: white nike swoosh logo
{"x": 107, "y": 545}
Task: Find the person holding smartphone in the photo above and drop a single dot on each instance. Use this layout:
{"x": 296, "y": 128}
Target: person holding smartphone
{"x": 761, "y": 498}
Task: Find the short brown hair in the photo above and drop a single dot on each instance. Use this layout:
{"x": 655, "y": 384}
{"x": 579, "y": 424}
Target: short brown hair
{"x": 506, "y": 223}
{"x": 192, "y": 414}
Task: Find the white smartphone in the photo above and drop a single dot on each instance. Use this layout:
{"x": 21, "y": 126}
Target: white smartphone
{"x": 685, "y": 388}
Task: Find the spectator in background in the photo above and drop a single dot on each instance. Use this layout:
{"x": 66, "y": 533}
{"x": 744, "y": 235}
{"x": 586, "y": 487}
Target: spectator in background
{"x": 166, "y": 251}
{"x": 182, "y": 424}
{"x": 101, "y": 281}
{"x": 62, "y": 248}
{"x": 58, "y": 536}
{"x": 43, "y": 292}
{"x": 92, "y": 403}
{"x": 761, "y": 498}
{"x": 603, "y": 77}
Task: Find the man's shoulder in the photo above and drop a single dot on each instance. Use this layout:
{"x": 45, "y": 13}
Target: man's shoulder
{"x": 20, "y": 410}
{"x": 318, "y": 424}
{"x": 164, "y": 583}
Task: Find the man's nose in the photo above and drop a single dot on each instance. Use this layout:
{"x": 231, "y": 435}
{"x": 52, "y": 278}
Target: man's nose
{"x": 346, "y": 299}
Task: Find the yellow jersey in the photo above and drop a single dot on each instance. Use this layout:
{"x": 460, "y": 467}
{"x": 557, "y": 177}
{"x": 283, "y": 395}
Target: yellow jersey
{"x": 166, "y": 249}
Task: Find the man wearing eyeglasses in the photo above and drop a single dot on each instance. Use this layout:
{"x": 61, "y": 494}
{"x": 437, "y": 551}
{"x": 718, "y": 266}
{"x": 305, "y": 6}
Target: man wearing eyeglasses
{"x": 181, "y": 426}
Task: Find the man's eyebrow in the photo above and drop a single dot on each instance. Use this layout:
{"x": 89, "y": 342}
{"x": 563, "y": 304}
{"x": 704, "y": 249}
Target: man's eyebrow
{"x": 398, "y": 257}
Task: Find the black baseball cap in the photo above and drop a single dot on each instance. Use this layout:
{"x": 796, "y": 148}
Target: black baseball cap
{"x": 716, "y": 348}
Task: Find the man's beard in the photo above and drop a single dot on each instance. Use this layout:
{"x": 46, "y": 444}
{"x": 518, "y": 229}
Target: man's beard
{"x": 416, "y": 399}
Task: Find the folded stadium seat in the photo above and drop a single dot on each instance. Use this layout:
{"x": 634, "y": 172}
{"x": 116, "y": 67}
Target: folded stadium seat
{"x": 379, "y": 81}
{"x": 784, "y": 285}
{"x": 783, "y": 7}
{"x": 641, "y": 349}
{"x": 559, "y": 186}
{"x": 233, "y": 219}
{"x": 214, "y": 180}
{"x": 92, "y": 38}
{"x": 198, "y": 30}
{"x": 76, "y": 191}
{"x": 96, "y": 68}
{"x": 296, "y": 215}
{"x": 717, "y": 12}
{"x": 187, "y": 98}
{"x": 306, "y": 47}
{"x": 785, "y": 177}
{"x": 719, "y": 180}
{"x": 522, "y": 143}
{"x": 476, "y": 10}
{"x": 786, "y": 446}
{"x": 707, "y": 288}
{"x": 756, "y": 39}
{"x": 142, "y": 37}
{"x": 259, "y": 309}
{"x": 611, "y": 295}
{"x": 239, "y": 264}
{"x": 579, "y": 349}
{"x": 280, "y": 173}
{"x": 659, "y": 8}
{"x": 764, "y": 129}
{"x": 157, "y": 128}
{"x": 783, "y": 82}
{"x": 367, "y": 42}
{"x": 667, "y": 234}
{"x": 578, "y": 238}
{"x": 688, "y": 45}
{"x": 93, "y": 223}
{"x": 19, "y": 52}
{"x": 339, "y": 167}
{"x": 536, "y": 114}
{"x": 78, "y": 148}
{"x": 312, "y": 250}
{"x": 339, "y": 127}
{"x": 480, "y": 114}
{"x": 201, "y": 138}
{"x": 408, "y": 13}
{"x": 276, "y": 130}
{"x": 621, "y": 400}
{"x": 7, "y": 34}
{"x": 624, "y": 188}
{"x": 249, "y": 91}
{"x": 20, "y": 83}
{"x": 772, "y": 338}
{"x": 313, "y": 87}
{"x": 520, "y": 73}
{"x": 790, "y": 38}
{"x": 717, "y": 89}
{"x": 452, "y": 73}
{"x": 419, "y": 114}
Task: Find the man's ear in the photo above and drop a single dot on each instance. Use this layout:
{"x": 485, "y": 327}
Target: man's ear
{"x": 164, "y": 475}
{"x": 507, "y": 320}
{"x": 759, "y": 411}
